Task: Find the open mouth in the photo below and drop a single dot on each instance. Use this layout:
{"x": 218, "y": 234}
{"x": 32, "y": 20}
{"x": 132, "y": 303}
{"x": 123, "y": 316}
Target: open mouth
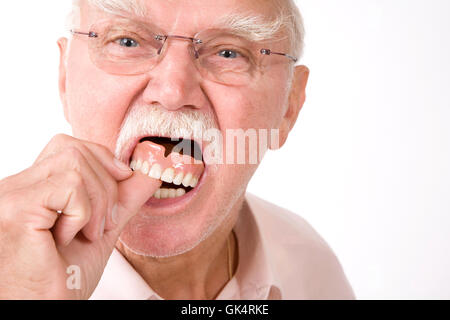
{"x": 177, "y": 163}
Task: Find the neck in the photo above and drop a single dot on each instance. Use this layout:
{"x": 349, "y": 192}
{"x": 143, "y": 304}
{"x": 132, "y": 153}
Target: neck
{"x": 200, "y": 273}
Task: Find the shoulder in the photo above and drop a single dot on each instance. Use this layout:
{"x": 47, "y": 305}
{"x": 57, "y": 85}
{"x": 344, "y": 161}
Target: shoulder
{"x": 302, "y": 261}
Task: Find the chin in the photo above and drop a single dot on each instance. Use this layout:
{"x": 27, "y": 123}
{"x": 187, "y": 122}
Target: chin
{"x": 164, "y": 235}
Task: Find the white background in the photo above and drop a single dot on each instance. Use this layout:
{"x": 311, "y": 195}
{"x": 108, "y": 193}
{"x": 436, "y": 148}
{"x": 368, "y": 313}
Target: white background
{"x": 368, "y": 164}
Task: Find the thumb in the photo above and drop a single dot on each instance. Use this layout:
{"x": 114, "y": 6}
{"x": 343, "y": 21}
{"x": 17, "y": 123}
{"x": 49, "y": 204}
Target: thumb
{"x": 133, "y": 194}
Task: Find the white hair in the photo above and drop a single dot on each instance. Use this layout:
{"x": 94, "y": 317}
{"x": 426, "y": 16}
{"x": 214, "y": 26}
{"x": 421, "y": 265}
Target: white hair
{"x": 295, "y": 27}
{"x": 142, "y": 121}
{"x": 288, "y": 18}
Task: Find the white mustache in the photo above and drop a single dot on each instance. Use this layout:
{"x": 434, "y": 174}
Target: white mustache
{"x": 143, "y": 120}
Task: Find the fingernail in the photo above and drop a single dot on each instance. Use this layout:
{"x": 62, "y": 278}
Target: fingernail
{"x": 102, "y": 227}
{"x": 114, "y": 216}
{"x": 121, "y": 166}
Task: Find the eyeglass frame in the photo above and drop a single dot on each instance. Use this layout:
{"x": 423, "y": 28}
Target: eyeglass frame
{"x": 263, "y": 51}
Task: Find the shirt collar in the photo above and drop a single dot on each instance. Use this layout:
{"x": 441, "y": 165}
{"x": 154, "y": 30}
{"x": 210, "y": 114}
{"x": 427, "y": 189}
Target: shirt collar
{"x": 254, "y": 278}
{"x": 120, "y": 281}
{"x": 255, "y": 274}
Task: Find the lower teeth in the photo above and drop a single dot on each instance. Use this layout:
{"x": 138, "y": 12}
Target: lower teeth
{"x": 164, "y": 193}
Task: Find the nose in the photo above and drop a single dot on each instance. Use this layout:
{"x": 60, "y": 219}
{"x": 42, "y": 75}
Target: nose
{"x": 175, "y": 82}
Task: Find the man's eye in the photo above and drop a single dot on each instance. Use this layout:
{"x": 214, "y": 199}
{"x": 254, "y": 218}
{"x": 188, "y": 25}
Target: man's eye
{"x": 229, "y": 54}
{"x": 127, "y": 42}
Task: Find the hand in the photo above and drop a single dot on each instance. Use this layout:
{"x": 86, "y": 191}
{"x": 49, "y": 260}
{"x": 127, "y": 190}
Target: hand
{"x": 97, "y": 197}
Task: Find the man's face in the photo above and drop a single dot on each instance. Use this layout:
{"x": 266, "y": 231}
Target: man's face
{"x": 97, "y": 104}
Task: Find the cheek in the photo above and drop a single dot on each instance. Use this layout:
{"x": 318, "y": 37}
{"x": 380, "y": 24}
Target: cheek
{"x": 249, "y": 107}
{"x": 97, "y": 102}
{"x": 241, "y": 108}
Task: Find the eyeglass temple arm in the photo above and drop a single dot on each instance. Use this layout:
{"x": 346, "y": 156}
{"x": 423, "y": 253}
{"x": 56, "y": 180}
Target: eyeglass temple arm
{"x": 89, "y": 34}
{"x": 269, "y": 52}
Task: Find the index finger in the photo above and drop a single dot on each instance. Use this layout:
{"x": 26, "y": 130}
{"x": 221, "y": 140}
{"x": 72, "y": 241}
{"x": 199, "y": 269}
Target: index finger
{"x": 117, "y": 169}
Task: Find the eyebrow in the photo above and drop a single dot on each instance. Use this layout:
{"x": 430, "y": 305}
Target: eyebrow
{"x": 246, "y": 25}
{"x": 250, "y": 26}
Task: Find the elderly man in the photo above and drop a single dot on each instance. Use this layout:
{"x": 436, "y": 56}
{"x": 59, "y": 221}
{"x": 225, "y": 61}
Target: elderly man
{"x": 147, "y": 200}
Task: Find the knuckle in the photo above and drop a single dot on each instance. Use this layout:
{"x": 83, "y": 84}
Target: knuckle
{"x": 74, "y": 157}
{"x": 85, "y": 216}
{"x": 58, "y": 139}
{"x": 74, "y": 179}
{"x": 8, "y": 206}
{"x": 73, "y": 153}
{"x": 52, "y": 149}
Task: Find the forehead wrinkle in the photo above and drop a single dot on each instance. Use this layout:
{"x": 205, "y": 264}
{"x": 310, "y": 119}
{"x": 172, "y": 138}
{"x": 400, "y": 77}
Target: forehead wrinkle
{"x": 177, "y": 19}
{"x": 121, "y": 7}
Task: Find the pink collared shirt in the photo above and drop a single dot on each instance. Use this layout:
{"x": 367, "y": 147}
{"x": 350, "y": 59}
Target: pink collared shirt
{"x": 280, "y": 257}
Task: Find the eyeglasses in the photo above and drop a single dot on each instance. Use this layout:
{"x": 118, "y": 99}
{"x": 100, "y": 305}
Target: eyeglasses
{"x": 126, "y": 47}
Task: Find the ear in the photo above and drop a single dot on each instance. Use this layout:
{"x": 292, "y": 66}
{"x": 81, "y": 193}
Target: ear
{"x": 297, "y": 96}
{"x": 63, "y": 46}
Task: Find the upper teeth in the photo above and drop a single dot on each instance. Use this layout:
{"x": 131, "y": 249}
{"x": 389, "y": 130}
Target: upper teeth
{"x": 187, "y": 180}
{"x": 145, "y": 167}
{"x": 194, "y": 182}
{"x": 178, "y": 179}
{"x": 168, "y": 175}
{"x": 138, "y": 165}
{"x": 155, "y": 172}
